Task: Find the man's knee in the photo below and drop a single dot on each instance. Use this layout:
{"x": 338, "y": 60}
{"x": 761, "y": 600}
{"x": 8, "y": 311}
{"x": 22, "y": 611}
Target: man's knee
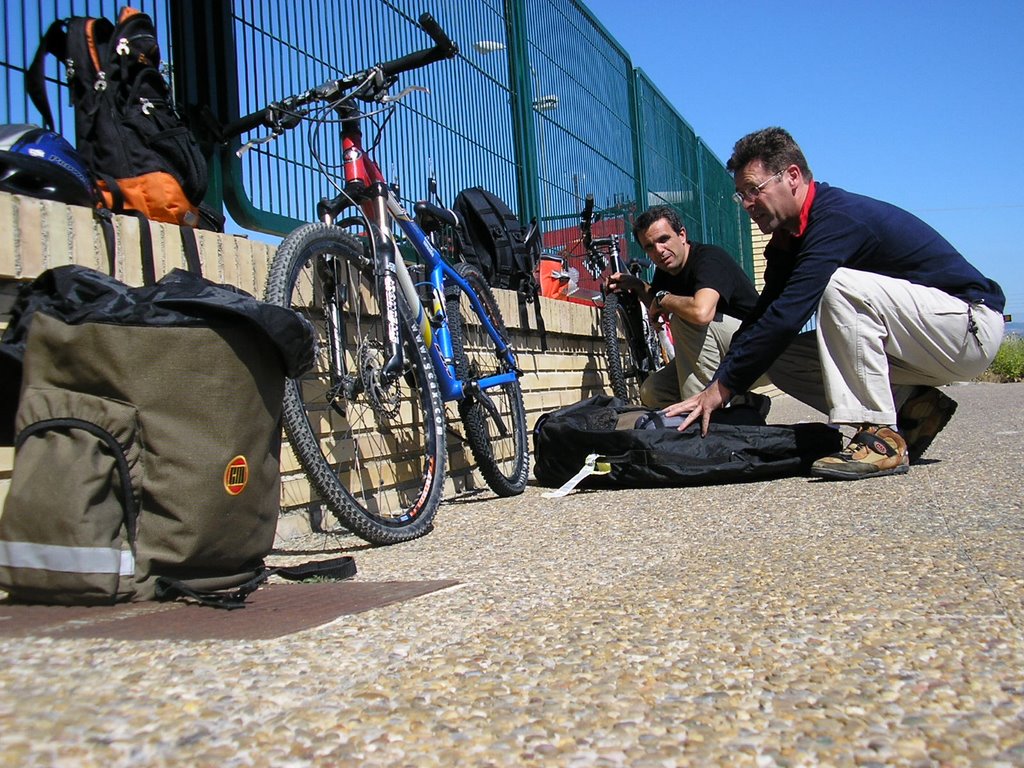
{"x": 660, "y": 389}
{"x": 844, "y": 286}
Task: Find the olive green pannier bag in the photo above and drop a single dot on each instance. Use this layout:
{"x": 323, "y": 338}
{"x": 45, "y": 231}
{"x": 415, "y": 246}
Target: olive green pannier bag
{"x": 147, "y": 439}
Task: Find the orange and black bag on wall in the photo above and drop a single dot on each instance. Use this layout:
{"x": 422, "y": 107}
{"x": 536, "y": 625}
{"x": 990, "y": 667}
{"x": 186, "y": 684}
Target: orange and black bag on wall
{"x": 126, "y": 128}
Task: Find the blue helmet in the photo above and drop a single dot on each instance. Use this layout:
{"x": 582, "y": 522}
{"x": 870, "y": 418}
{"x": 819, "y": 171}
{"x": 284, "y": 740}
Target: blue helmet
{"x": 39, "y": 163}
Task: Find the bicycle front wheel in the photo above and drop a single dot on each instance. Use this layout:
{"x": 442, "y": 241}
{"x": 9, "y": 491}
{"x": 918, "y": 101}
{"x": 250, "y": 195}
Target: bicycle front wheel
{"x": 495, "y": 418}
{"x": 630, "y": 357}
{"x": 372, "y": 446}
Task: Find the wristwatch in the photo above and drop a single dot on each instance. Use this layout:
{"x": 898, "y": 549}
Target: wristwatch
{"x": 658, "y": 297}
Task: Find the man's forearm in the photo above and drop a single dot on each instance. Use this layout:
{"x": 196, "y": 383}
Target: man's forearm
{"x": 687, "y": 308}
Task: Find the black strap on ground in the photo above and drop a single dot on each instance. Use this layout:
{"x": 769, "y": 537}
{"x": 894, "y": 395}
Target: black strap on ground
{"x": 337, "y": 569}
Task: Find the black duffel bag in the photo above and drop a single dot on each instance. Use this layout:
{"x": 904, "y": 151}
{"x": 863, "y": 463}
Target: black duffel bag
{"x": 628, "y": 446}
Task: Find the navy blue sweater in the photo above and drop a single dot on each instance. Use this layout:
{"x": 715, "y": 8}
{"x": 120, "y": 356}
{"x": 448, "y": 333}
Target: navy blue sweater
{"x": 843, "y": 230}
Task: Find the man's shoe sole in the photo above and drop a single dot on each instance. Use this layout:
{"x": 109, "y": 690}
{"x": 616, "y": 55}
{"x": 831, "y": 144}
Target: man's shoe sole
{"x": 838, "y": 474}
{"x": 946, "y": 407}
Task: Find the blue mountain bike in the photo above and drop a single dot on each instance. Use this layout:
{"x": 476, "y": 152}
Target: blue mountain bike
{"x": 368, "y": 423}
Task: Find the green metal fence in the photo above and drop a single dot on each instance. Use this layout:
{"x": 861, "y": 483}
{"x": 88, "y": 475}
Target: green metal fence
{"x": 542, "y": 106}
{"x": 461, "y": 131}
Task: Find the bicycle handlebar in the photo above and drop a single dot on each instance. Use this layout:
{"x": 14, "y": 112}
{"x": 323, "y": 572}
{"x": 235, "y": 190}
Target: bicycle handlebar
{"x": 586, "y": 220}
{"x": 277, "y": 116}
{"x": 443, "y": 48}
{"x": 588, "y": 209}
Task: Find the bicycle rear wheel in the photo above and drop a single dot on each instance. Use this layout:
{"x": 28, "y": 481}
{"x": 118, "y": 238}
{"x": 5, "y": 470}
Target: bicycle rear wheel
{"x": 495, "y": 419}
{"x": 630, "y": 355}
{"x": 373, "y": 450}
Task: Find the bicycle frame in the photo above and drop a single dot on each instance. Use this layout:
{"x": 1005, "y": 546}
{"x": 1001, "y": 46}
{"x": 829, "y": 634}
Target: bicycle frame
{"x": 365, "y": 185}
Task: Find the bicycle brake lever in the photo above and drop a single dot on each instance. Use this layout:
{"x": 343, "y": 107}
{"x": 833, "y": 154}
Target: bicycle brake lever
{"x": 255, "y": 142}
{"x": 385, "y": 99}
{"x": 280, "y": 119}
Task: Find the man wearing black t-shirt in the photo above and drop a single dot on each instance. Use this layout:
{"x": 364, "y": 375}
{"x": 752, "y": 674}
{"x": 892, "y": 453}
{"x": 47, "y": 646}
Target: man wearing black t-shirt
{"x": 701, "y": 290}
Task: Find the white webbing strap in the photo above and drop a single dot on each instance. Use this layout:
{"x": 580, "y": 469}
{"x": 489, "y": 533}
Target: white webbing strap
{"x": 590, "y": 467}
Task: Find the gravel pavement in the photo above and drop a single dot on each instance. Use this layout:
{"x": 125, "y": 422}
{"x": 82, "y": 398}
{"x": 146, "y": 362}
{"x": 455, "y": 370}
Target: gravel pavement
{"x": 792, "y": 622}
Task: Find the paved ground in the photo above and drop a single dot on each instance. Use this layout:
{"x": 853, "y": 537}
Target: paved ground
{"x": 791, "y": 622}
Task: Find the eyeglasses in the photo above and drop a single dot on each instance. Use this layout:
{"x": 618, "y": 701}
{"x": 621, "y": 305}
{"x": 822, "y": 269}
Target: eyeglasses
{"x": 754, "y": 192}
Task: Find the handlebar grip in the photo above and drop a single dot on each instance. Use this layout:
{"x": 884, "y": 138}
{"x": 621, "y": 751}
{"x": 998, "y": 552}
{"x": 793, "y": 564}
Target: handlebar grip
{"x": 444, "y": 48}
{"x": 588, "y": 208}
{"x": 429, "y": 25}
{"x": 244, "y": 124}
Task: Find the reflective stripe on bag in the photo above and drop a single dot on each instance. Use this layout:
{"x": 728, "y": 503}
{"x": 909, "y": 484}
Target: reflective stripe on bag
{"x": 58, "y": 558}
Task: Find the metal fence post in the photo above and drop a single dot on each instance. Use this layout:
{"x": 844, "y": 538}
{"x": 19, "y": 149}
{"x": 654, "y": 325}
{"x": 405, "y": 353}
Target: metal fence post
{"x": 203, "y": 67}
{"x": 206, "y": 61}
{"x": 705, "y": 229}
{"x": 639, "y": 168}
{"x": 528, "y": 183}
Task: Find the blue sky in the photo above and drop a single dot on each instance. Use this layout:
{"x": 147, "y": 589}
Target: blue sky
{"x": 917, "y": 103}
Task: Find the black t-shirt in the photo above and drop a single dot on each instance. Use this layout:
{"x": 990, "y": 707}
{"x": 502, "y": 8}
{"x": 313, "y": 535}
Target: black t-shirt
{"x": 709, "y": 266}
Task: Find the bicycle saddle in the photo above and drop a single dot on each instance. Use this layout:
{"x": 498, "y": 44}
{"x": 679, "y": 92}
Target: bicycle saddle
{"x": 432, "y": 217}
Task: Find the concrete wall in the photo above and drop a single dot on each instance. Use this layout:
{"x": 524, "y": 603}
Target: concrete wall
{"x": 37, "y": 235}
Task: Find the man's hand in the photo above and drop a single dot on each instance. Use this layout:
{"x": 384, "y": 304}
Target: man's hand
{"x": 658, "y": 314}
{"x": 623, "y": 281}
{"x": 701, "y": 406}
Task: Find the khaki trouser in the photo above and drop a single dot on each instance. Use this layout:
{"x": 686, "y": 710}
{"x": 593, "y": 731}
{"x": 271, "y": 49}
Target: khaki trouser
{"x": 876, "y": 338}
{"x": 699, "y": 352}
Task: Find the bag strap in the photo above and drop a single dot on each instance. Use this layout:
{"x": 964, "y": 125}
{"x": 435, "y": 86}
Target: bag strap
{"x": 105, "y": 218}
{"x": 505, "y": 256}
{"x": 594, "y": 464}
{"x": 190, "y": 246}
{"x": 54, "y": 41}
{"x": 191, "y": 249}
{"x": 145, "y": 246}
{"x": 529, "y": 287}
{"x": 338, "y": 568}
{"x": 228, "y": 599}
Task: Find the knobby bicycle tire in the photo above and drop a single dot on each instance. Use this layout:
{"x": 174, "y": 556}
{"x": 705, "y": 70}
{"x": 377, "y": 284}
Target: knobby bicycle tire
{"x": 375, "y": 454}
{"x": 497, "y": 438}
{"x": 630, "y": 357}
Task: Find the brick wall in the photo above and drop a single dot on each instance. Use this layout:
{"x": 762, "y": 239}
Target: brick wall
{"x": 37, "y": 235}
{"x": 758, "y": 241}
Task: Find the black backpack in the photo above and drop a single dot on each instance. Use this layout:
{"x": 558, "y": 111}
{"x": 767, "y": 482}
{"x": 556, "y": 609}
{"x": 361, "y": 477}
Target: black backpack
{"x": 126, "y": 128}
{"x": 612, "y": 444}
{"x": 493, "y": 239}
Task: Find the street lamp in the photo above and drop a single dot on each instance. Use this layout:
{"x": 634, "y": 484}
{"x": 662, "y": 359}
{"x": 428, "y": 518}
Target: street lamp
{"x": 540, "y": 104}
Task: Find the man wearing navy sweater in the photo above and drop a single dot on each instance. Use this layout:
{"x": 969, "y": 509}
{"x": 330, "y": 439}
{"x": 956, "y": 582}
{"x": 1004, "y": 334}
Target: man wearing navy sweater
{"x": 898, "y": 312}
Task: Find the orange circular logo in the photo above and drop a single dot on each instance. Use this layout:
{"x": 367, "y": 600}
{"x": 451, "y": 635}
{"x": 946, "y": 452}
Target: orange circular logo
{"x": 236, "y": 476}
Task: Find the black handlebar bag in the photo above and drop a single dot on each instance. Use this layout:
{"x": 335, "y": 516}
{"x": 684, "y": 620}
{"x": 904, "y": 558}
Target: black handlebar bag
{"x": 147, "y": 437}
